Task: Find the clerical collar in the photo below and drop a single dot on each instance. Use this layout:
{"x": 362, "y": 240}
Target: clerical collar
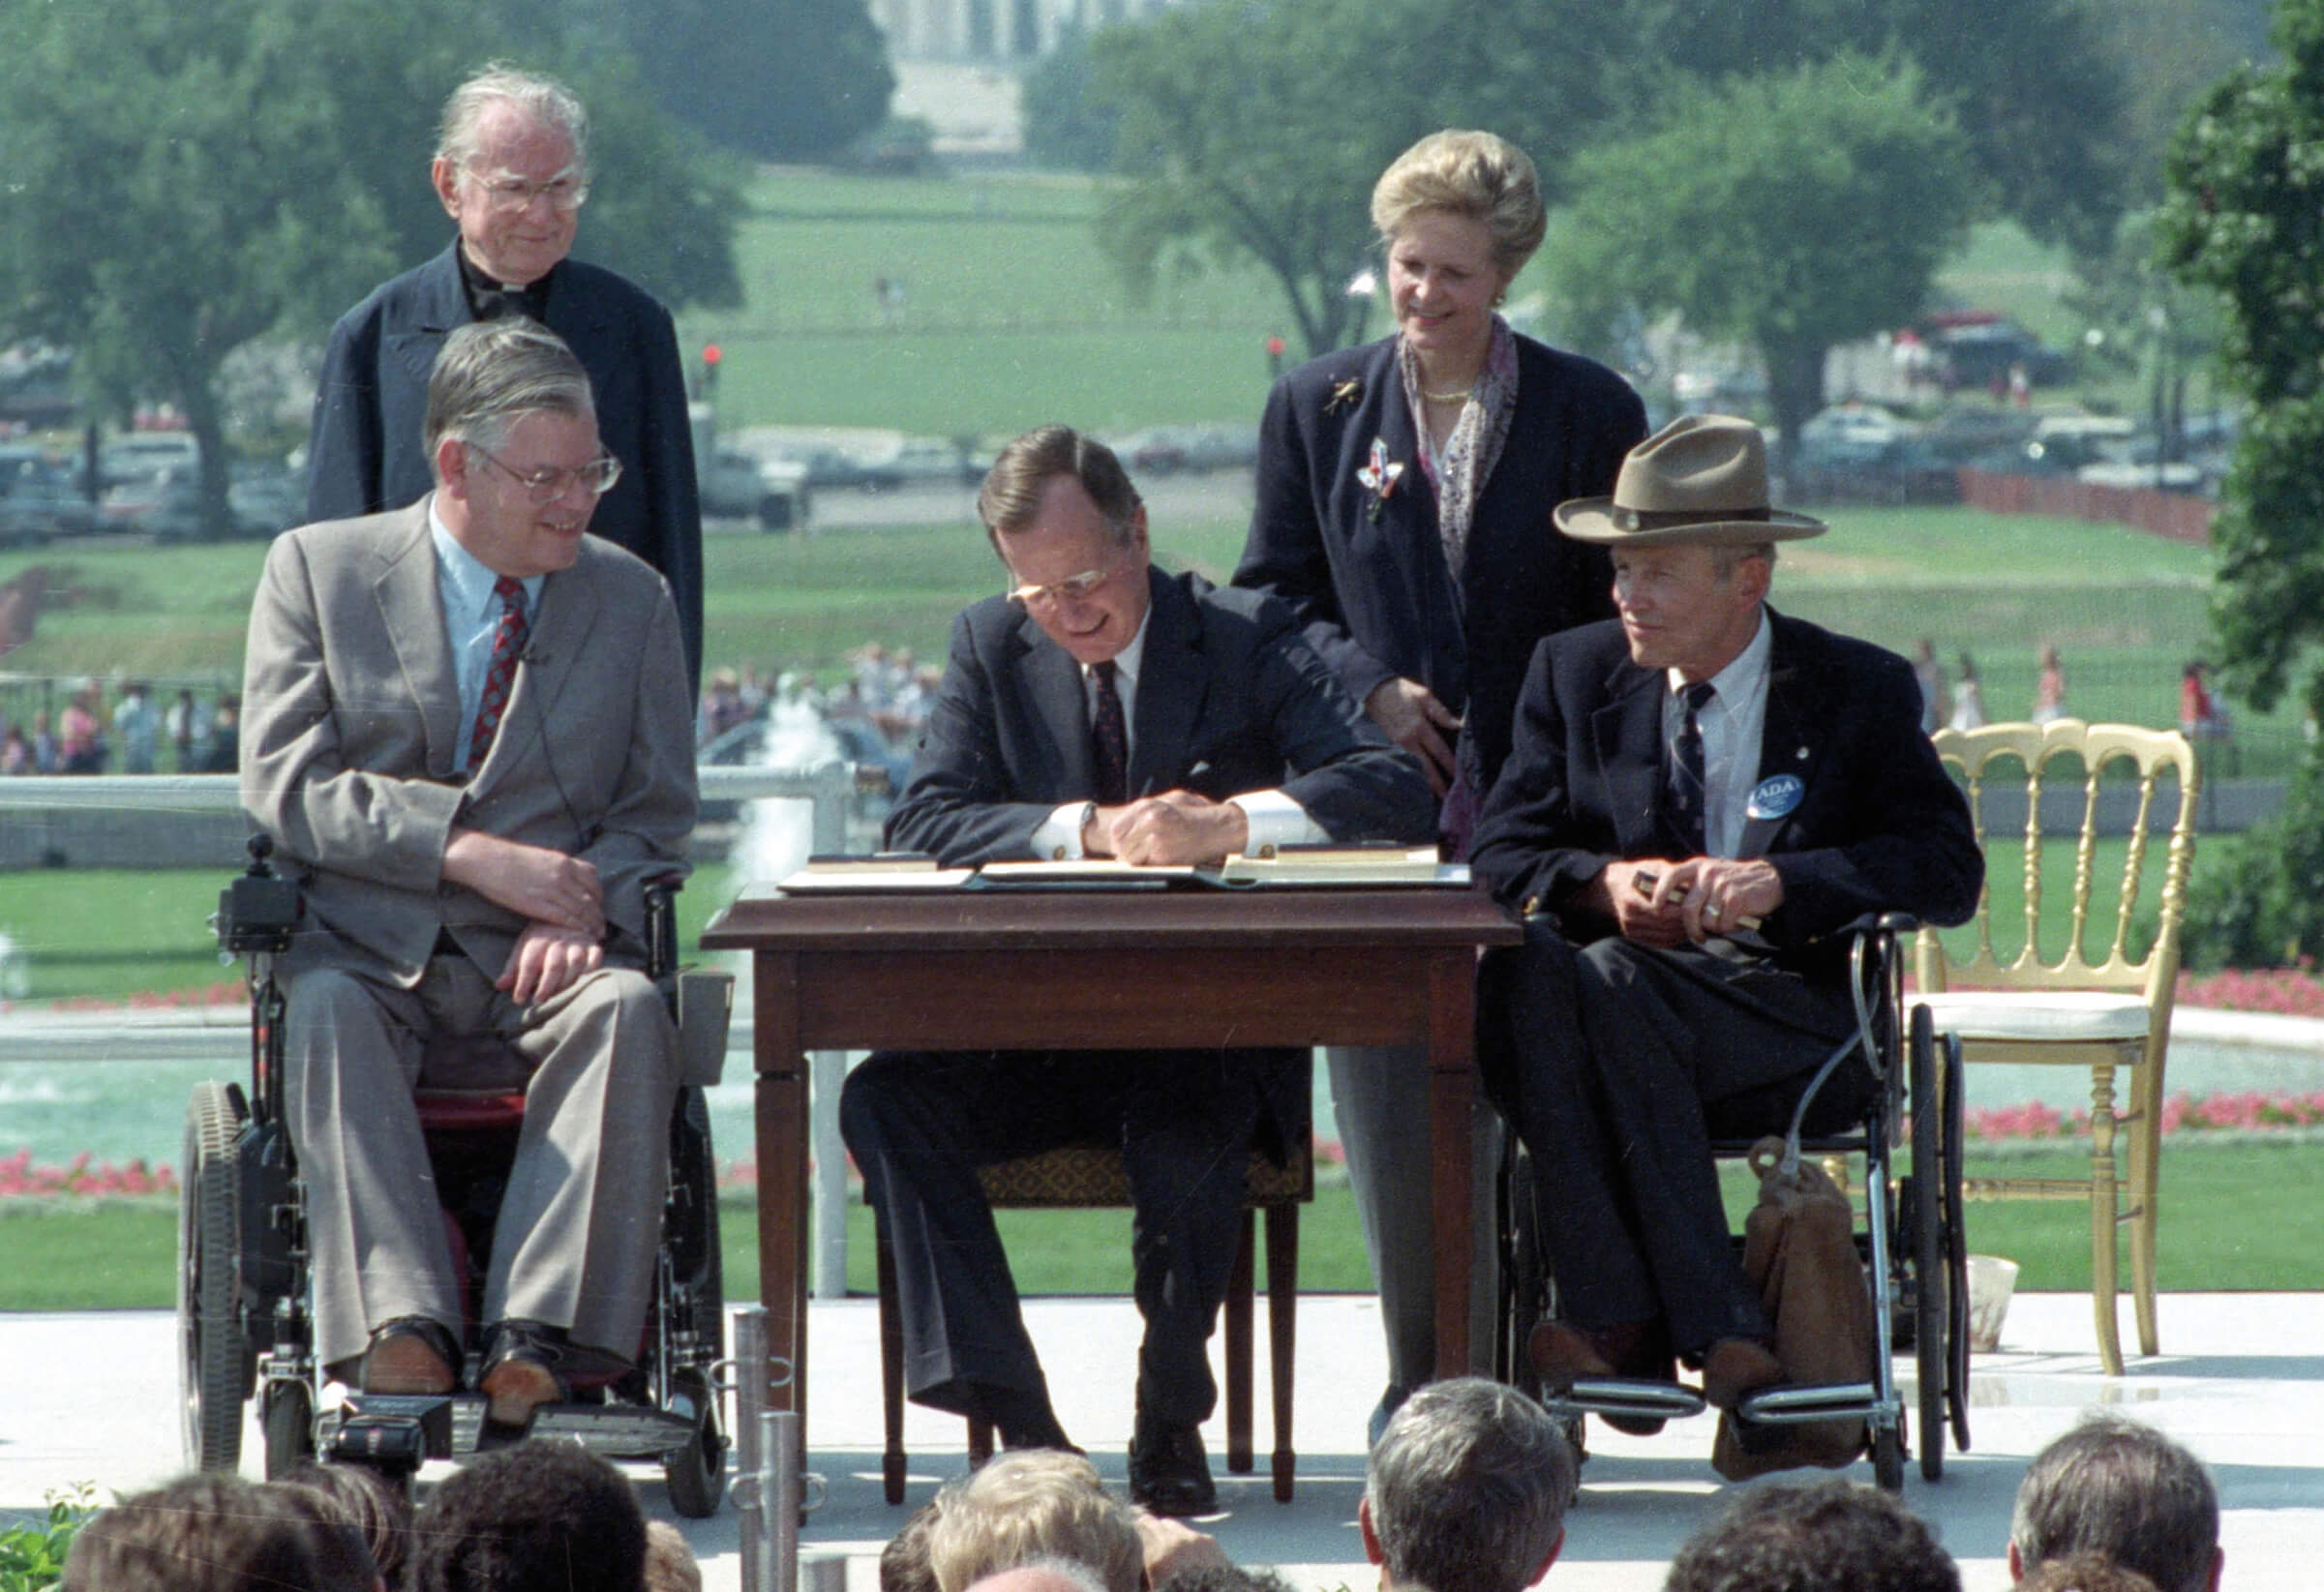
{"x": 489, "y": 300}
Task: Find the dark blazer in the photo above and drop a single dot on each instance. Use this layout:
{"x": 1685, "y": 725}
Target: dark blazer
{"x": 1878, "y": 828}
{"x": 1373, "y": 592}
{"x": 365, "y": 456}
{"x": 1229, "y": 700}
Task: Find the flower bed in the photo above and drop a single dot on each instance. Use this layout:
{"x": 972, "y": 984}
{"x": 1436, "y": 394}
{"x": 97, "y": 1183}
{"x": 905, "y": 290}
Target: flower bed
{"x": 85, "y": 1176}
{"x": 2182, "y": 1114}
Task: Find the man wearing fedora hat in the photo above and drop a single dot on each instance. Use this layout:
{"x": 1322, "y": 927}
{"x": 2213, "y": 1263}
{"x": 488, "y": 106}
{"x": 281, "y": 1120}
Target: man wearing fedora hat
{"x": 1701, "y": 795}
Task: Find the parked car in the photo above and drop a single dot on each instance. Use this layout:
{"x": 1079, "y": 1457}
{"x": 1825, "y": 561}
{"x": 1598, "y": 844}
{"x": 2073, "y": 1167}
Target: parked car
{"x": 736, "y": 486}
{"x": 38, "y": 500}
{"x": 832, "y": 470}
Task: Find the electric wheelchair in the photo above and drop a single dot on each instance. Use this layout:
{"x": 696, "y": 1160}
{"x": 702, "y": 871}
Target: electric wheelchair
{"x": 243, "y": 1278}
{"x": 1910, "y": 1242}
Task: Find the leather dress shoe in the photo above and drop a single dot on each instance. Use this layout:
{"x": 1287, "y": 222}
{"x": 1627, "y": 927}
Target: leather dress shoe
{"x": 1563, "y": 1353}
{"x": 411, "y": 1354}
{"x": 1170, "y": 1472}
{"x": 1735, "y": 1367}
{"x": 524, "y": 1369}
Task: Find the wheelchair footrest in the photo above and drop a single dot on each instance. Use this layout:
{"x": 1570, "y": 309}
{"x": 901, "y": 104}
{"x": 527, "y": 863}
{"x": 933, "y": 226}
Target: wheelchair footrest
{"x": 400, "y": 1431}
{"x": 1628, "y": 1397}
{"x": 1782, "y": 1406}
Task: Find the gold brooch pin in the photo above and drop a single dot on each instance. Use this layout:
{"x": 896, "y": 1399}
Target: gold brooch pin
{"x": 1344, "y": 394}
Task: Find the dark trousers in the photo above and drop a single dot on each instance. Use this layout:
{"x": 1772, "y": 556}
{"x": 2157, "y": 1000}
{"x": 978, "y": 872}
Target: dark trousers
{"x": 919, "y": 1123}
{"x": 1617, "y": 1064}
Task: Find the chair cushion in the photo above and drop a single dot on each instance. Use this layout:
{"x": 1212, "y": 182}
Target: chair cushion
{"x": 2060, "y": 1015}
{"x": 1088, "y": 1175}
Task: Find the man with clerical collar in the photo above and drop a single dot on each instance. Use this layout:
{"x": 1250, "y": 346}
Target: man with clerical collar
{"x": 512, "y": 171}
{"x": 1701, "y": 794}
{"x": 1103, "y": 708}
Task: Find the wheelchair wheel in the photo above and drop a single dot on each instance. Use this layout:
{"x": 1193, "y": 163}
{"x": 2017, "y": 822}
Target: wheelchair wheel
{"x": 1524, "y": 1275}
{"x": 287, "y": 1420}
{"x": 1956, "y": 1244}
{"x": 696, "y": 1471}
{"x": 1888, "y": 1458}
{"x": 214, "y": 1361}
{"x": 1933, "y": 1287}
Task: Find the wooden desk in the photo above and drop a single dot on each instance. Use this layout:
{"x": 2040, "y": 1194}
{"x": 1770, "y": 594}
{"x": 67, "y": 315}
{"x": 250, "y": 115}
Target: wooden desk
{"x": 1083, "y": 970}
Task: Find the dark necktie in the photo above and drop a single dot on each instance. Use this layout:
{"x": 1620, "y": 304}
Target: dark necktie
{"x": 508, "y": 645}
{"x": 1683, "y": 788}
{"x": 1109, "y": 740}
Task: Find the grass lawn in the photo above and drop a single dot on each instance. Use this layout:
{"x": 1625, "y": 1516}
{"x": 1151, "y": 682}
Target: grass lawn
{"x": 2222, "y": 1228}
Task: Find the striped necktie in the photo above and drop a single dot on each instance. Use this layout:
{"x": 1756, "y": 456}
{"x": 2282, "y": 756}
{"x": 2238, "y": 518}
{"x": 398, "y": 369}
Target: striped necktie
{"x": 508, "y": 645}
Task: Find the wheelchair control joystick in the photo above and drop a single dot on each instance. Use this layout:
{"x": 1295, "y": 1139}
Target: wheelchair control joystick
{"x": 259, "y": 911}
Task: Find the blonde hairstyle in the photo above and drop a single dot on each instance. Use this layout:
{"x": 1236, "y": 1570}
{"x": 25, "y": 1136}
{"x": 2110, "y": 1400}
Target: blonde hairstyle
{"x": 1032, "y": 1504}
{"x": 1475, "y": 175}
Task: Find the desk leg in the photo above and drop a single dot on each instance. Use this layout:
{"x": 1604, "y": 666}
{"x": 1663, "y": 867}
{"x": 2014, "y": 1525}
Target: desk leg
{"x": 782, "y": 1110}
{"x": 1452, "y": 1086}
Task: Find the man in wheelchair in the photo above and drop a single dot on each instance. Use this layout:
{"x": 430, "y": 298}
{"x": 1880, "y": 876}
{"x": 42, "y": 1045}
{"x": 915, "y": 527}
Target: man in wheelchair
{"x": 466, "y": 728}
{"x": 1702, "y": 796}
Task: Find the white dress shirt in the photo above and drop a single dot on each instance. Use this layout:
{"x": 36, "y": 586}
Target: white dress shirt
{"x": 1732, "y": 723}
{"x": 1276, "y": 819}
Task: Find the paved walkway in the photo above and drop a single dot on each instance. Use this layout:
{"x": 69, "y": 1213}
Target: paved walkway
{"x": 92, "y": 1397}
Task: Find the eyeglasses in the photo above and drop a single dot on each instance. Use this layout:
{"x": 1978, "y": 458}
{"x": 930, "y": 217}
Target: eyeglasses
{"x": 549, "y": 483}
{"x": 514, "y": 195}
{"x": 1074, "y": 588}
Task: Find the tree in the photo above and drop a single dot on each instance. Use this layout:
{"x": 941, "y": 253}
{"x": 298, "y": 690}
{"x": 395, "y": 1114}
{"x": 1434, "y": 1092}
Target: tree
{"x": 1792, "y": 212}
{"x": 188, "y": 175}
{"x": 1257, "y": 130}
{"x": 2244, "y": 218}
{"x": 799, "y": 79}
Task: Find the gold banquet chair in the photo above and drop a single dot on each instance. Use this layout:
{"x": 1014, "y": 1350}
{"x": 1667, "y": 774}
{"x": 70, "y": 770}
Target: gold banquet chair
{"x": 2107, "y": 1012}
{"x": 1082, "y": 1177}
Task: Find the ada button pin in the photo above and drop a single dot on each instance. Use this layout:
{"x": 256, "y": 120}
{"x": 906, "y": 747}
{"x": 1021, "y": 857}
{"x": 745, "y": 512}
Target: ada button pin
{"x": 1776, "y": 796}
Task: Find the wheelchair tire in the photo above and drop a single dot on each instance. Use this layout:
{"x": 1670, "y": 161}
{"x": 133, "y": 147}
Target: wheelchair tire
{"x": 1888, "y": 1458}
{"x": 696, "y": 1471}
{"x": 1525, "y": 1271}
{"x": 1957, "y": 1242}
{"x": 1932, "y": 1289}
{"x": 288, "y": 1422}
{"x": 214, "y": 1358}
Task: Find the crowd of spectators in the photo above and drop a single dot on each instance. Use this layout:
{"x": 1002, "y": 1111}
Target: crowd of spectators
{"x": 133, "y": 735}
{"x": 885, "y": 689}
{"x": 1467, "y": 1490}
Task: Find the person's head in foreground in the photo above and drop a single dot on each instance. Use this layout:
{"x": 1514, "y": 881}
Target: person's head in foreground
{"x": 670, "y": 1562}
{"x": 1829, "y": 1536}
{"x": 2118, "y": 1487}
{"x": 537, "y": 1517}
{"x": 1029, "y": 1505}
{"x": 1072, "y": 529}
{"x": 377, "y": 1508}
{"x": 1467, "y": 1490}
{"x": 220, "y": 1534}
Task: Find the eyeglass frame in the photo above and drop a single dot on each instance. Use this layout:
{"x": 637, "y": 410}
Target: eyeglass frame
{"x": 552, "y": 482}
{"x": 1091, "y": 582}
{"x": 501, "y": 187}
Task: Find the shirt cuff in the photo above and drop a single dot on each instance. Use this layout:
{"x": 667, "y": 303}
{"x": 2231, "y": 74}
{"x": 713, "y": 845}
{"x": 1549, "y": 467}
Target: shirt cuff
{"x": 1059, "y": 837}
{"x": 1276, "y": 819}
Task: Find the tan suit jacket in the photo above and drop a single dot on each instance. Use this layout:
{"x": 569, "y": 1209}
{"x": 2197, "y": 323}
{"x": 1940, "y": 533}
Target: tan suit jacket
{"x": 352, "y": 723}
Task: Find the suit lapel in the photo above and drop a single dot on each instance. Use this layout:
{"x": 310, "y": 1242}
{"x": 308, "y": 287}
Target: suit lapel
{"x": 1790, "y": 736}
{"x": 1170, "y": 687}
{"x": 1628, "y": 736}
{"x": 439, "y": 306}
{"x": 412, "y": 609}
{"x": 1052, "y": 686}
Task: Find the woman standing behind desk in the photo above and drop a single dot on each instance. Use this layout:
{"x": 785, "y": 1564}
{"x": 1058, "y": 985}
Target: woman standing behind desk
{"x": 1403, "y": 499}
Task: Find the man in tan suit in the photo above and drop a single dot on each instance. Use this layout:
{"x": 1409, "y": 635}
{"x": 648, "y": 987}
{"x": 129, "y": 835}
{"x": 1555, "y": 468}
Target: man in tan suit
{"x": 467, "y": 725}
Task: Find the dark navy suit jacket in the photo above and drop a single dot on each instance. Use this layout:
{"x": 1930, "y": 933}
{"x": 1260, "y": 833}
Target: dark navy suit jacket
{"x": 1373, "y": 591}
{"x": 365, "y": 454}
{"x": 1879, "y": 826}
{"x": 1229, "y": 700}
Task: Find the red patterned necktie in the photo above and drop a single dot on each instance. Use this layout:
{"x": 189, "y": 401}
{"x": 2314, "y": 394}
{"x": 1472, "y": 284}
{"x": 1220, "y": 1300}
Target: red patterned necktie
{"x": 508, "y": 644}
{"x": 1110, "y": 739}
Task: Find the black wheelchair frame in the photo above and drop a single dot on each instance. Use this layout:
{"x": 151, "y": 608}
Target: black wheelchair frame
{"x": 1912, "y": 1245}
{"x": 243, "y": 1279}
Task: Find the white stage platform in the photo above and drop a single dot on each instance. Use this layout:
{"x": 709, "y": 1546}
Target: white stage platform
{"x": 92, "y": 1398}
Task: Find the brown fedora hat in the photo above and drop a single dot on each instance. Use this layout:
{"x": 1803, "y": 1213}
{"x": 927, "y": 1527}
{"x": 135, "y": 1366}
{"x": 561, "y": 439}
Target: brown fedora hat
{"x": 1702, "y": 479}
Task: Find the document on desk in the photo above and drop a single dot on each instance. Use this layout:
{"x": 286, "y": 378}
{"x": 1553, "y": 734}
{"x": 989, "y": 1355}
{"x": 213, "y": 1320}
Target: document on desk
{"x": 881, "y": 871}
{"x": 1087, "y": 873}
{"x": 1358, "y": 865}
